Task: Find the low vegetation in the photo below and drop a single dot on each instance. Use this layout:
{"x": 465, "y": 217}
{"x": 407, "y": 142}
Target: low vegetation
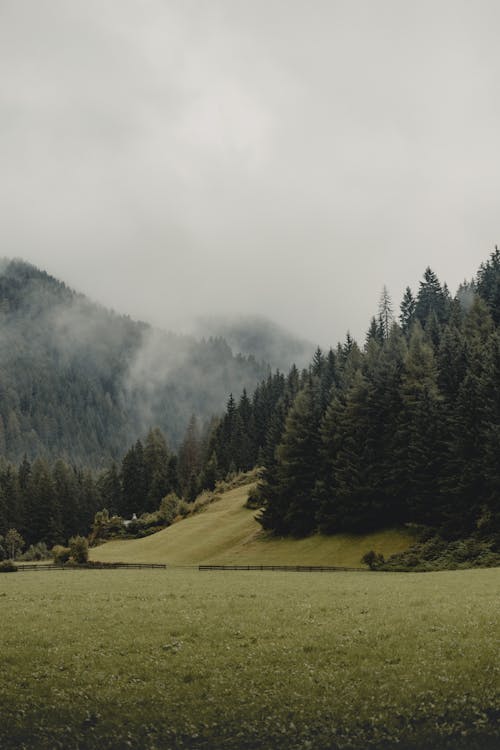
{"x": 436, "y": 553}
{"x": 227, "y": 532}
{"x": 182, "y": 659}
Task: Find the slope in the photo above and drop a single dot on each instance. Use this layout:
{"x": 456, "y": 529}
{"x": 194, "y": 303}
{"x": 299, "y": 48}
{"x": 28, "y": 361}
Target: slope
{"x": 80, "y": 382}
{"x": 227, "y": 533}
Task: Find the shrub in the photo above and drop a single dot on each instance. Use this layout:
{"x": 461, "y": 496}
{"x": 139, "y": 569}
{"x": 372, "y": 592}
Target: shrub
{"x": 8, "y": 566}
{"x": 79, "y": 549}
{"x": 255, "y": 499}
{"x": 38, "y": 551}
{"x": 184, "y": 508}
{"x": 373, "y": 559}
{"x": 61, "y": 554}
{"x": 169, "y": 508}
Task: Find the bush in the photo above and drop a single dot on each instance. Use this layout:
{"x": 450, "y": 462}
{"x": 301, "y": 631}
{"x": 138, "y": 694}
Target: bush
{"x": 373, "y": 559}
{"x": 184, "y": 508}
{"x": 8, "y": 566}
{"x": 61, "y": 554}
{"x": 169, "y": 508}
{"x": 438, "y": 554}
{"x": 255, "y": 499}
{"x": 38, "y": 551}
{"x": 79, "y": 549}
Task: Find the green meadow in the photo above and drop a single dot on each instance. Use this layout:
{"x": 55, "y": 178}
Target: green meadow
{"x": 226, "y": 532}
{"x": 178, "y": 658}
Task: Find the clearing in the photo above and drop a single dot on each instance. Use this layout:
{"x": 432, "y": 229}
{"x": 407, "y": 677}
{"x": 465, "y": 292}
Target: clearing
{"x": 226, "y": 532}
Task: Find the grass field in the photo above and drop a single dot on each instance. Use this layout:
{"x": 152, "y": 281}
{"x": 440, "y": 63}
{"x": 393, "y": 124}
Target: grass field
{"x": 183, "y": 659}
{"x": 226, "y": 532}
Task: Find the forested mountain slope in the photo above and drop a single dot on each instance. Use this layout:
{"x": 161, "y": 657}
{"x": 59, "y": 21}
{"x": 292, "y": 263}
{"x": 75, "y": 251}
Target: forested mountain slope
{"x": 403, "y": 429}
{"x": 260, "y": 337}
{"x": 80, "y": 382}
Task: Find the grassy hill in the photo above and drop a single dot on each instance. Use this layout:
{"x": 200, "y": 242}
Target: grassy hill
{"x": 227, "y": 532}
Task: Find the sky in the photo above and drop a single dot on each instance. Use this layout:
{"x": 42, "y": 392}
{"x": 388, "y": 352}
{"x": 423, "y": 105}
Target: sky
{"x": 285, "y": 158}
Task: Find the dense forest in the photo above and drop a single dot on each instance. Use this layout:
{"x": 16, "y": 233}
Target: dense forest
{"x": 81, "y": 383}
{"x": 51, "y": 502}
{"x": 403, "y": 430}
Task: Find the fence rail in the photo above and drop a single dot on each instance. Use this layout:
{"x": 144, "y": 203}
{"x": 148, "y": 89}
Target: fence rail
{"x": 285, "y": 568}
{"x": 141, "y": 566}
{"x": 92, "y": 566}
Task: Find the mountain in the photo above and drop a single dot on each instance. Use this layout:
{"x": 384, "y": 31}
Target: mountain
{"x": 261, "y": 338}
{"x": 79, "y": 381}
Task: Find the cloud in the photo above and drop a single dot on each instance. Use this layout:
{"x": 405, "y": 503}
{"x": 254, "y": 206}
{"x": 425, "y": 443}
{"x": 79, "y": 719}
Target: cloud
{"x": 177, "y": 159}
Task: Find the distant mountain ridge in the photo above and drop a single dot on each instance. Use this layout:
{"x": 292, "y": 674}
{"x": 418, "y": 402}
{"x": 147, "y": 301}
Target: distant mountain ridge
{"x": 79, "y": 381}
{"x": 260, "y": 337}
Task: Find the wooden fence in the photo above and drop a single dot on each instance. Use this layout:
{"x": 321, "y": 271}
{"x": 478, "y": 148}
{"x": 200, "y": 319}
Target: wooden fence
{"x": 92, "y": 566}
{"x": 286, "y": 568}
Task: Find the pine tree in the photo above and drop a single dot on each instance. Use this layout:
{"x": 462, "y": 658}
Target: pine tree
{"x": 385, "y": 313}
{"x": 294, "y": 507}
{"x": 190, "y": 455}
{"x": 110, "y": 489}
{"x": 44, "y": 515}
{"x": 66, "y": 497}
{"x": 407, "y": 310}
{"x": 430, "y": 300}
{"x": 418, "y": 451}
{"x": 353, "y": 455}
{"x": 156, "y": 458}
{"x": 488, "y": 284}
{"x": 134, "y": 482}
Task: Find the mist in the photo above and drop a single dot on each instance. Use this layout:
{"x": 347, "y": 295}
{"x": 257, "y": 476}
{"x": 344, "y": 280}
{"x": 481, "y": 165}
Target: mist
{"x": 176, "y": 160}
{"x": 82, "y": 382}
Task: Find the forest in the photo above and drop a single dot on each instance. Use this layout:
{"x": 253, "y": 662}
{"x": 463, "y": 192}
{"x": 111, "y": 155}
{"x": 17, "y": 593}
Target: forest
{"x": 401, "y": 430}
{"x": 404, "y": 429}
{"x": 81, "y": 383}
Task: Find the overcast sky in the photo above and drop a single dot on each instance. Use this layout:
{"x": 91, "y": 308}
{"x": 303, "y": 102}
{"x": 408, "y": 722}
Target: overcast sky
{"x": 287, "y": 158}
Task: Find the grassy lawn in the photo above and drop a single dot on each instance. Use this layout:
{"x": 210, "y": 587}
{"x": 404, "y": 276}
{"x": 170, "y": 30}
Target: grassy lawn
{"x": 182, "y": 659}
{"x": 227, "y": 532}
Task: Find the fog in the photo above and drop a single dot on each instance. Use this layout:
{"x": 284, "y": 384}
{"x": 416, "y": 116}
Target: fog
{"x": 175, "y": 160}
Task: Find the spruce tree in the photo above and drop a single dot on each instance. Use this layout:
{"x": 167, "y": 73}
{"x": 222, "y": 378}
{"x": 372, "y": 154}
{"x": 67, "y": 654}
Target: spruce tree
{"x": 385, "y": 313}
{"x": 407, "y": 311}
{"x": 134, "y": 481}
{"x": 430, "y": 299}
{"x": 418, "y": 450}
{"x": 297, "y": 465}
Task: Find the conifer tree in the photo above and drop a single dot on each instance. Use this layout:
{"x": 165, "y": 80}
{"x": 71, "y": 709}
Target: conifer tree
{"x": 407, "y": 310}
{"x": 156, "y": 458}
{"x": 110, "y": 489}
{"x": 431, "y": 299}
{"x": 44, "y": 513}
{"x": 294, "y": 506}
{"x": 418, "y": 453}
{"x": 134, "y": 481}
{"x": 488, "y": 283}
{"x": 385, "y": 313}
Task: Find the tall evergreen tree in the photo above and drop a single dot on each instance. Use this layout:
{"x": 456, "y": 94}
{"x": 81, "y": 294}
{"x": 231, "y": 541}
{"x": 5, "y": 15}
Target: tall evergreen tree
{"x": 293, "y": 506}
{"x": 431, "y": 299}
{"x": 407, "y": 310}
{"x": 134, "y": 481}
{"x": 418, "y": 453}
{"x": 385, "y": 313}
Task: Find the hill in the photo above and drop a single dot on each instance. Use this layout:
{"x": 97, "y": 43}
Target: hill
{"x": 80, "y": 382}
{"x": 261, "y": 338}
{"x": 227, "y": 533}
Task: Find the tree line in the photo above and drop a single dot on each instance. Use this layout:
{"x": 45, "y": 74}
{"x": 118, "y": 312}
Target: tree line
{"x": 79, "y": 382}
{"x": 404, "y": 429}
{"x": 51, "y": 502}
